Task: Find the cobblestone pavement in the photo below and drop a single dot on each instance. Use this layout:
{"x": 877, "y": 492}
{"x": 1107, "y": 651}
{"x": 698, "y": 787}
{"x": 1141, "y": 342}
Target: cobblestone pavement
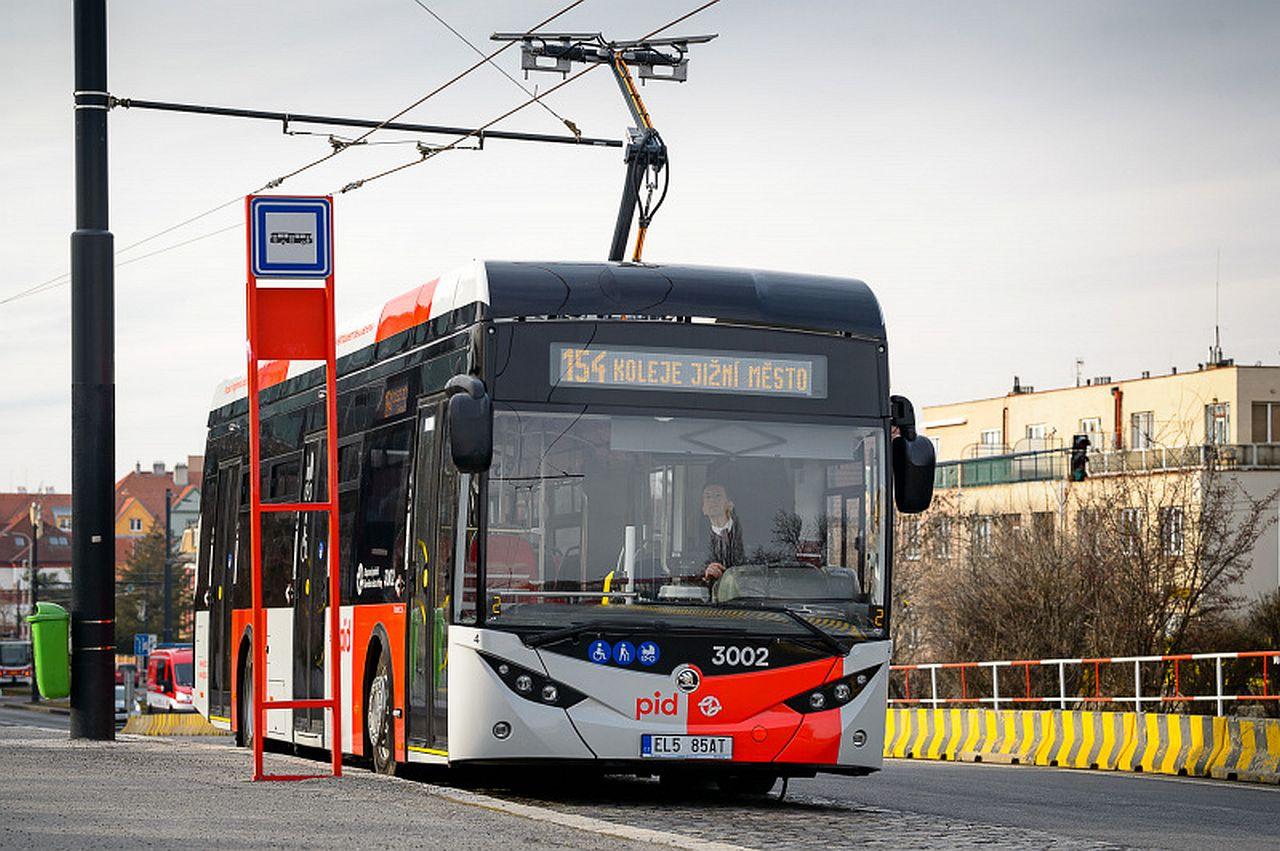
{"x": 797, "y": 822}
{"x": 137, "y": 793}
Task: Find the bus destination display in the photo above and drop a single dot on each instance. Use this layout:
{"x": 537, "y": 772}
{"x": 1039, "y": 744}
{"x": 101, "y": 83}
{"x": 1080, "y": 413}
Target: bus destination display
{"x": 798, "y": 376}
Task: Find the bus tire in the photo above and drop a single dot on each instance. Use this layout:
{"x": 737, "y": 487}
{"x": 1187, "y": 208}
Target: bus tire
{"x": 379, "y": 724}
{"x": 244, "y": 730}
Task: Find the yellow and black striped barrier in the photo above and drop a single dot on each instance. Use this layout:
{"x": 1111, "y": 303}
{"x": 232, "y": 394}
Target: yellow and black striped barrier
{"x": 1195, "y": 745}
{"x": 171, "y": 724}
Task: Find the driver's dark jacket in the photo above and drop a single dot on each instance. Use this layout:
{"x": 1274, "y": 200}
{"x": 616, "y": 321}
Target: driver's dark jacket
{"x": 727, "y": 548}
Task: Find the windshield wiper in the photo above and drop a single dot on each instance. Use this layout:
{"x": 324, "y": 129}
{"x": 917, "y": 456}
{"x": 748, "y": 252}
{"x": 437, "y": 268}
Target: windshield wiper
{"x": 574, "y": 631}
{"x": 828, "y": 640}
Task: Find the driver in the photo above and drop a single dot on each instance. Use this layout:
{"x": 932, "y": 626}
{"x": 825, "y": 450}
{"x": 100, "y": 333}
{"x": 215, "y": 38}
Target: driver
{"x": 726, "y": 549}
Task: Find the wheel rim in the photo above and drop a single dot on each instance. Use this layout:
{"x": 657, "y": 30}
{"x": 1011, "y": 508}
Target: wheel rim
{"x": 378, "y": 717}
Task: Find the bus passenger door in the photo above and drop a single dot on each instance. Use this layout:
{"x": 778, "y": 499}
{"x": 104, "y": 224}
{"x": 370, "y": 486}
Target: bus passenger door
{"x": 427, "y": 606}
{"x": 310, "y": 589}
{"x": 221, "y": 584}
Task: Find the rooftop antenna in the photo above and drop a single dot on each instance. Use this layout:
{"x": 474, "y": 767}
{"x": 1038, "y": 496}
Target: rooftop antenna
{"x": 1215, "y": 354}
{"x": 1079, "y": 370}
{"x": 646, "y": 153}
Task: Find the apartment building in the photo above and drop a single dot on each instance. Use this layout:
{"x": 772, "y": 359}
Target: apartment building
{"x": 1009, "y": 456}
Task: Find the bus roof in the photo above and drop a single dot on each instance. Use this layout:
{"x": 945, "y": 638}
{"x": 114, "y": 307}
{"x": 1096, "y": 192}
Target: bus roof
{"x": 511, "y": 289}
{"x": 777, "y": 299}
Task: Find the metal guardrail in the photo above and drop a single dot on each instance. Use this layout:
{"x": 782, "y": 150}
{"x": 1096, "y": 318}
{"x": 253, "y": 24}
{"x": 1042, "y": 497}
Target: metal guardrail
{"x": 1088, "y": 677}
{"x": 1051, "y": 464}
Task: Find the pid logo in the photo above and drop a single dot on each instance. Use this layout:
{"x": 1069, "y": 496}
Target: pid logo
{"x": 657, "y": 705}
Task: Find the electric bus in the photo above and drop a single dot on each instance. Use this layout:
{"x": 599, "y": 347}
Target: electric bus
{"x": 631, "y": 516}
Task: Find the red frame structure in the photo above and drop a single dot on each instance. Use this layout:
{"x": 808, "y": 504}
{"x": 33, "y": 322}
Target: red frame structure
{"x": 291, "y": 322}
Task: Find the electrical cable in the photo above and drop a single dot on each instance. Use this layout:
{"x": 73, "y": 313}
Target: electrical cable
{"x": 573, "y": 128}
{"x": 437, "y": 90}
{"x": 356, "y": 184}
{"x": 62, "y": 280}
{"x": 53, "y": 283}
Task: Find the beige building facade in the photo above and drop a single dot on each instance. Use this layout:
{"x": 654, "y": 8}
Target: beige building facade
{"x": 1010, "y": 455}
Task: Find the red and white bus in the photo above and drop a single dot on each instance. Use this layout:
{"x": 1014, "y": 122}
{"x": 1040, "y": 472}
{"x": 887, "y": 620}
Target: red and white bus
{"x": 654, "y": 538}
{"x": 15, "y": 660}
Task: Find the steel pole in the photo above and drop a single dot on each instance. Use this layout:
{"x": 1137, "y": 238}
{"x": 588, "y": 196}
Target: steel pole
{"x": 167, "y": 584}
{"x": 35, "y": 595}
{"x": 92, "y": 393}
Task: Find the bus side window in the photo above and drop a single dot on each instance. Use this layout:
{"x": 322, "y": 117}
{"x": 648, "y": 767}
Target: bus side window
{"x": 383, "y": 509}
{"x": 348, "y": 500}
{"x": 463, "y": 608}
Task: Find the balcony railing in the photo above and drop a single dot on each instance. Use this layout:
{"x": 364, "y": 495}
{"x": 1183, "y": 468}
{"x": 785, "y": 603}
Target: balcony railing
{"x": 1052, "y": 464}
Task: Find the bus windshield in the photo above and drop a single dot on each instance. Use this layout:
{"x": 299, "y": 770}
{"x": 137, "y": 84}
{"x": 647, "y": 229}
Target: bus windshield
{"x": 16, "y": 653}
{"x": 589, "y": 510}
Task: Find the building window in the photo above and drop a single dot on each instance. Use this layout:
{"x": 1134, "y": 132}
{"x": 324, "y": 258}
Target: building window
{"x": 1036, "y": 431}
{"x": 1217, "y": 423}
{"x": 1266, "y": 422}
{"x": 1091, "y": 426}
{"x": 1141, "y": 430}
{"x": 1130, "y": 530}
{"x": 135, "y": 524}
{"x": 940, "y": 539}
{"x": 20, "y": 540}
{"x": 982, "y": 535}
{"x": 1171, "y": 534}
{"x": 64, "y": 522}
{"x": 911, "y": 539}
{"x": 991, "y": 442}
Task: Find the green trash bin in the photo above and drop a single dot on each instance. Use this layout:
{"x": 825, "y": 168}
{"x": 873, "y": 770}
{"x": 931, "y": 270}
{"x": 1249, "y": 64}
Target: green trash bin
{"x": 50, "y": 636}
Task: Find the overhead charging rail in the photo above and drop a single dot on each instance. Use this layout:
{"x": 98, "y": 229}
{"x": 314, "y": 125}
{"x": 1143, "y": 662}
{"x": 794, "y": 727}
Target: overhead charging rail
{"x": 646, "y": 154}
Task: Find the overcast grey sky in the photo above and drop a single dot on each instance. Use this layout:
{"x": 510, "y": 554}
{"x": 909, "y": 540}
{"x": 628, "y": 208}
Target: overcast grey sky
{"x": 1022, "y": 183}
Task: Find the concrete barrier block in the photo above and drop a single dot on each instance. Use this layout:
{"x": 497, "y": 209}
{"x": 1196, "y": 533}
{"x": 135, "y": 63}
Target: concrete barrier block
{"x": 171, "y": 724}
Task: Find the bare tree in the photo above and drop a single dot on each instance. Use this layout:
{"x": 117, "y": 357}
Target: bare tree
{"x": 1127, "y": 564}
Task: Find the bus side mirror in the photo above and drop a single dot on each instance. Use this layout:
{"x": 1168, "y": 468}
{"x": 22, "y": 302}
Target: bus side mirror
{"x": 913, "y": 460}
{"x": 470, "y": 424}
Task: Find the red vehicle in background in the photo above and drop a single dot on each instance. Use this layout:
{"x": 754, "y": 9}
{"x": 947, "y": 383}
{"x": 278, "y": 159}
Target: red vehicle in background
{"x": 15, "y": 661}
{"x": 169, "y": 680}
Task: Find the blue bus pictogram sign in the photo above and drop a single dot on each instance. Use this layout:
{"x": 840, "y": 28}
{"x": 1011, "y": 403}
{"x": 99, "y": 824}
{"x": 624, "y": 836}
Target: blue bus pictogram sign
{"x": 600, "y": 652}
{"x": 648, "y": 653}
{"x": 624, "y": 652}
{"x": 291, "y": 237}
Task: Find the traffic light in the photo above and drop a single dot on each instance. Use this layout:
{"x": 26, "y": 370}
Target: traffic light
{"x": 1079, "y": 458}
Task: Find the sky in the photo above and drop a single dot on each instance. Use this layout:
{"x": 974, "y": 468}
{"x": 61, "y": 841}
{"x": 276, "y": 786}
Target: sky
{"x": 1021, "y": 183}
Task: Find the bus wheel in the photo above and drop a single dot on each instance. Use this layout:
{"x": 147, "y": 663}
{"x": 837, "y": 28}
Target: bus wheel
{"x": 379, "y": 726}
{"x": 244, "y": 735}
{"x": 746, "y": 784}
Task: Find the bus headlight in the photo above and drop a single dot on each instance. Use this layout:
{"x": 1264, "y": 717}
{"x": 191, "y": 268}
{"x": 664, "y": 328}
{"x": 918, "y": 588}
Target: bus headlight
{"x": 834, "y": 694}
{"x": 533, "y": 685}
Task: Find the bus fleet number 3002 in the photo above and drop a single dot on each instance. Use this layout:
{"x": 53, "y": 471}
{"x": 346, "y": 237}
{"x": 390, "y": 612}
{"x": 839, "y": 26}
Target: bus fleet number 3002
{"x": 740, "y": 657}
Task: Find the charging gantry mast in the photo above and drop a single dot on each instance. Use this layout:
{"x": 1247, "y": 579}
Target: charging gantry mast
{"x": 646, "y": 153}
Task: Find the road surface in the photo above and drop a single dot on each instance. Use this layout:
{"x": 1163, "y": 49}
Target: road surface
{"x": 911, "y": 804}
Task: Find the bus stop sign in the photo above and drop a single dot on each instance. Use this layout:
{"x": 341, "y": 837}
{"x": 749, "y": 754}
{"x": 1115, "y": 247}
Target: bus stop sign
{"x": 291, "y": 237}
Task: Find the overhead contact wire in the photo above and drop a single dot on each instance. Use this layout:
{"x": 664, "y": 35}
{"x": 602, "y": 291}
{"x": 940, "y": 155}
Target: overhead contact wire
{"x": 59, "y": 280}
{"x": 573, "y": 128}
